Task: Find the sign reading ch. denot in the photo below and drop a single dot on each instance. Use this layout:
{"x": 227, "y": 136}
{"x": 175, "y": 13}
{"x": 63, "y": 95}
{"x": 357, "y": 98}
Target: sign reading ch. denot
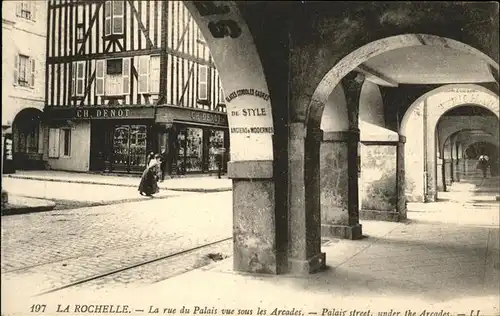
{"x": 98, "y": 113}
{"x": 101, "y": 113}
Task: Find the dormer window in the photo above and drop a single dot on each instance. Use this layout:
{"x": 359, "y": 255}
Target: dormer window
{"x": 113, "y": 23}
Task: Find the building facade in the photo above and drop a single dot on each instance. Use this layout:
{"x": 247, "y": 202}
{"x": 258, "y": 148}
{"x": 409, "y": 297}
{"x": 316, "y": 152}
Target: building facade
{"x": 23, "y": 59}
{"x": 126, "y": 78}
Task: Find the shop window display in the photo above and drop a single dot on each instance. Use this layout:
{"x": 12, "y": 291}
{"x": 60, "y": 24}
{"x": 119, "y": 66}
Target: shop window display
{"x": 129, "y": 146}
{"x": 190, "y": 154}
{"x": 216, "y": 143}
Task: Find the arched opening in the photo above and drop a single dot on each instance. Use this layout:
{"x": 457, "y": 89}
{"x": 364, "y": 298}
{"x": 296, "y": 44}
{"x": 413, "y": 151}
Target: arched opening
{"x": 251, "y": 129}
{"x": 234, "y": 53}
{"x": 419, "y": 126}
{"x": 351, "y": 73}
{"x": 27, "y": 139}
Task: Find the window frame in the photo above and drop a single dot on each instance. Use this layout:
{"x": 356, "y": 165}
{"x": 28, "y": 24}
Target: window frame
{"x": 65, "y": 135}
{"x": 110, "y": 17}
{"x": 26, "y": 10}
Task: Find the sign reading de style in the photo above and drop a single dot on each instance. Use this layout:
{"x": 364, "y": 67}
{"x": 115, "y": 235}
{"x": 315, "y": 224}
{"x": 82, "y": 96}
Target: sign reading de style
{"x": 250, "y": 119}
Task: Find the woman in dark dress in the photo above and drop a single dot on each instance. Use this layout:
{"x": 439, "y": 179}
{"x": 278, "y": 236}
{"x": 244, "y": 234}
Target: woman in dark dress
{"x": 148, "y": 185}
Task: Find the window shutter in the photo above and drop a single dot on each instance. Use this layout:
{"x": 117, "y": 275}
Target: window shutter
{"x": 117, "y": 17}
{"x": 99, "y": 77}
{"x": 16, "y": 69}
{"x": 154, "y": 75}
{"x": 54, "y": 138}
{"x": 19, "y": 8}
{"x": 32, "y": 77}
{"x": 80, "y": 76}
{"x": 126, "y": 76}
{"x": 73, "y": 79}
{"x": 33, "y": 10}
{"x": 107, "y": 19}
{"x": 143, "y": 74}
{"x": 202, "y": 82}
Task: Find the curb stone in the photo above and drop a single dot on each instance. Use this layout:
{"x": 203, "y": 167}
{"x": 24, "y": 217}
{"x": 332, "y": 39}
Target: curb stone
{"x": 202, "y": 190}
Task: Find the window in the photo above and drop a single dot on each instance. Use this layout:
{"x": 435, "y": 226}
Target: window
{"x": 26, "y": 10}
{"x": 143, "y": 72}
{"x": 113, "y": 22}
{"x": 154, "y": 75}
{"x": 66, "y": 142}
{"x": 221, "y": 94}
{"x": 78, "y": 78}
{"x": 59, "y": 142}
{"x": 202, "y": 83}
{"x": 24, "y": 71}
{"x": 200, "y": 39}
{"x": 80, "y": 33}
{"x": 114, "y": 66}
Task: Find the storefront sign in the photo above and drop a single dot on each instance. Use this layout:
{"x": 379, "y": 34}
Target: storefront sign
{"x": 207, "y": 117}
{"x": 169, "y": 114}
{"x": 8, "y": 149}
{"x": 100, "y": 113}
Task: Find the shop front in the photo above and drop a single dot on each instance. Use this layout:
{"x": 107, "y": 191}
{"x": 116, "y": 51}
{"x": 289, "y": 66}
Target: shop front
{"x": 194, "y": 141}
{"x": 120, "y": 138}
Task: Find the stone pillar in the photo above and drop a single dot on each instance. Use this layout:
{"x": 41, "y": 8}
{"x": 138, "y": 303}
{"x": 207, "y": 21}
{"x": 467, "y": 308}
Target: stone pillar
{"x": 433, "y": 166}
{"x": 448, "y": 171}
{"x": 401, "y": 179}
{"x": 440, "y": 174}
{"x": 382, "y": 181}
{"x": 304, "y": 242}
{"x": 339, "y": 185}
{"x": 255, "y": 236}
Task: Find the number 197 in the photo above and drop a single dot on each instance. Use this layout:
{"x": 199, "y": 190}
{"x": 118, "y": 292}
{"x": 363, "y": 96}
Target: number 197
{"x": 38, "y": 308}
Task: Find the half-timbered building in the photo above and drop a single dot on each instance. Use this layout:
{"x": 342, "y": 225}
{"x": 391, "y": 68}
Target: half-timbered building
{"x": 126, "y": 78}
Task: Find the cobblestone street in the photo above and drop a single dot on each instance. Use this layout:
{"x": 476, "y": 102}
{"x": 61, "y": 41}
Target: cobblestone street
{"x": 41, "y": 251}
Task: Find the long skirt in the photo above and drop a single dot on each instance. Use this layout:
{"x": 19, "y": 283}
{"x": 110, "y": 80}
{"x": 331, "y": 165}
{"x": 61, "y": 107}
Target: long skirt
{"x": 148, "y": 184}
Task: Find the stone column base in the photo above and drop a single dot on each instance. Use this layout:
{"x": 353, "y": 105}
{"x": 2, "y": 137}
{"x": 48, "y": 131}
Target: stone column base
{"x": 388, "y": 216}
{"x": 309, "y": 266}
{"x": 430, "y": 198}
{"x": 342, "y": 231}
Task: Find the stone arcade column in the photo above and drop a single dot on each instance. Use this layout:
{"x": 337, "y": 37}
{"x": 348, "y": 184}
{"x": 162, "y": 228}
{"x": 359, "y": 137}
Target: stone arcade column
{"x": 382, "y": 179}
{"x": 339, "y": 185}
{"x": 255, "y": 246}
{"x": 304, "y": 244}
{"x": 433, "y": 163}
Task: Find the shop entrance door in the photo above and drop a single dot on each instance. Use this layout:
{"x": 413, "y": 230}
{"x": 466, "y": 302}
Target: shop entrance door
{"x": 129, "y": 148}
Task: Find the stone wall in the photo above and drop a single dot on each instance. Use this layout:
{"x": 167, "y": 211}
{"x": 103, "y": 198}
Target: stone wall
{"x": 379, "y": 182}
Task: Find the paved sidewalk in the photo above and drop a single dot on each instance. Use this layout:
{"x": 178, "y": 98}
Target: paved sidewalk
{"x": 23, "y": 205}
{"x": 191, "y": 184}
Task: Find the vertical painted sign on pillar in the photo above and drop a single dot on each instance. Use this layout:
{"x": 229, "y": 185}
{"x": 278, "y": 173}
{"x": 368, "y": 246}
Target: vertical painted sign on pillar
{"x": 246, "y": 94}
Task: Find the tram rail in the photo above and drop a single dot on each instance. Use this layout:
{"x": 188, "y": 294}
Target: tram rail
{"x": 132, "y": 266}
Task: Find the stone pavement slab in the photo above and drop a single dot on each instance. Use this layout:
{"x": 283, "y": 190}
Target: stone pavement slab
{"x": 194, "y": 184}
{"x": 84, "y": 192}
{"x": 23, "y": 205}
